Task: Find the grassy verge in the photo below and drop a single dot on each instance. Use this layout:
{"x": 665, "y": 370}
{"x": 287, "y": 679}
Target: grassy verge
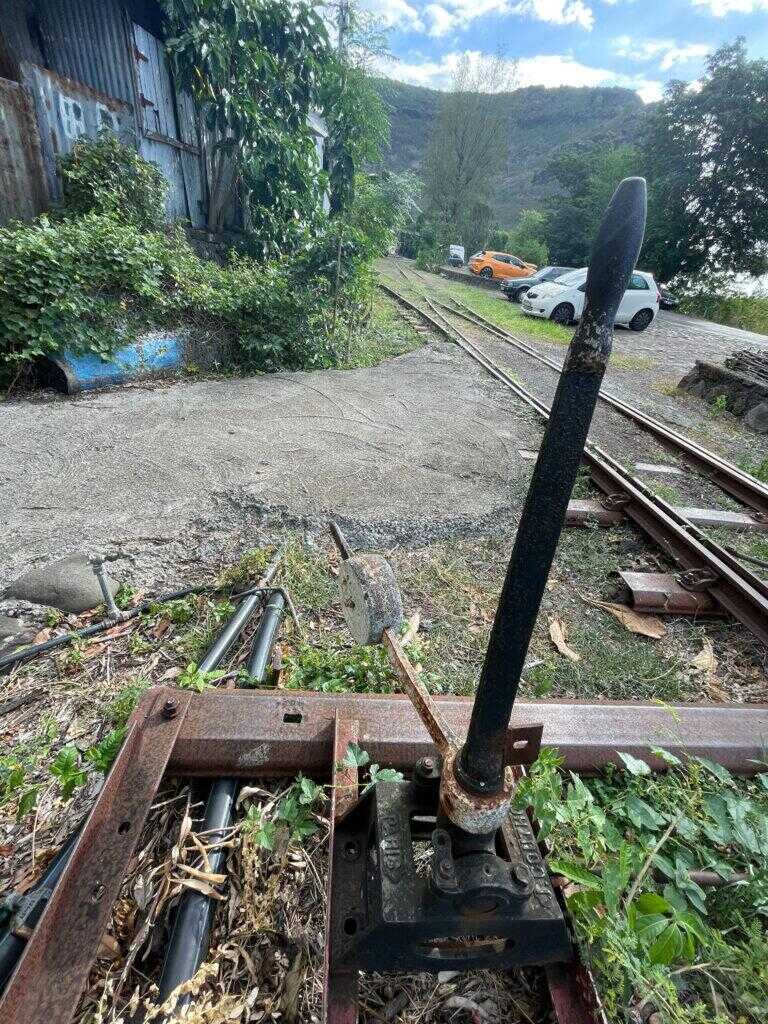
{"x": 750, "y": 313}
{"x": 662, "y": 948}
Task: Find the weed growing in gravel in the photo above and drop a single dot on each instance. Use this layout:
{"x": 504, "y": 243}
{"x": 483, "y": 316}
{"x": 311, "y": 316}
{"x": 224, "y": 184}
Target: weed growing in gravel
{"x": 120, "y": 708}
{"x": 756, "y": 469}
{"x": 628, "y": 842}
{"x": 669, "y": 494}
{"x": 339, "y": 670}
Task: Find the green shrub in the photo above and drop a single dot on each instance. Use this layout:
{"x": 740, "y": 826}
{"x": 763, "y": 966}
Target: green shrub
{"x": 90, "y": 283}
{"x": 106, "y": 176}
{"x": 748, "y": 312}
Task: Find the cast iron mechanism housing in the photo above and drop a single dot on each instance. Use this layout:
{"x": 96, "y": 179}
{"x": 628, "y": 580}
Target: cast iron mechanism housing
{"x": 476, "y": 902}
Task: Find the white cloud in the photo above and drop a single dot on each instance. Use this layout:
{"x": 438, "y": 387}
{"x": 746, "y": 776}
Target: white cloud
{"x": 721, "y": 8}
{"x": 547, "y": 69}
{"x": 396, "y": 14}
{"x": 558, "y": 12}
{"x": 667, "y": 52}
{"x": 440, "y": 17}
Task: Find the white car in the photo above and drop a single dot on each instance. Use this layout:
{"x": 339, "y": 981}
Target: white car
{"x": 563, "y": 300}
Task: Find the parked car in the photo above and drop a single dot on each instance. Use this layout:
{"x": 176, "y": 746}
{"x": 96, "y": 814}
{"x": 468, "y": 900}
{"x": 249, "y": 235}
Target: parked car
{"x": 515, "y": 288}
{"x": 563, "y": 300}
{"x": 667, "y": 299}
{"x": 499, "y": 264}
{"x": 456, "y": 255}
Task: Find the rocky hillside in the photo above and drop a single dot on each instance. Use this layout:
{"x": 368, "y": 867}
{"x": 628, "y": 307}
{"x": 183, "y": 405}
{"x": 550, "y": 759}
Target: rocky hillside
{"x": 539, "y": 121}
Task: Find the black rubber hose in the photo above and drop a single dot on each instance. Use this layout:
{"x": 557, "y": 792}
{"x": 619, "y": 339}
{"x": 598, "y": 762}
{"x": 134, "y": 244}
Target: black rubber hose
{"x": 265, "y": 637}
{"x": 27, "y": 653}
{"x": 191, "y": 934}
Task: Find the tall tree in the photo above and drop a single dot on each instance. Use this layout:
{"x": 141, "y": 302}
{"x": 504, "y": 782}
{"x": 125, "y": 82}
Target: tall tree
{"x": 467, "y": 147}
{"x": 707, "y": 160}
{"x": 587, "y": 178}
{"x": 254, "y": 68}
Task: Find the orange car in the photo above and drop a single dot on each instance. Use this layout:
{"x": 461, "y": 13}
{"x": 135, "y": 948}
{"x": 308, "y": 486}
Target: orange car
{"x": 500, "y": 264}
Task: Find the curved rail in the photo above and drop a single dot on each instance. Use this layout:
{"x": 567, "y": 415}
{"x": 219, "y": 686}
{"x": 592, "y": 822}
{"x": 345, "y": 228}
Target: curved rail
{"x": 732, "y": 586}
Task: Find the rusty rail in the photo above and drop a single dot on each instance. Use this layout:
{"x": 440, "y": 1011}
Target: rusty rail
{"x": 266, "y": 733}
{"x": 734, "y": 587}
{"x": 728, "y": 477}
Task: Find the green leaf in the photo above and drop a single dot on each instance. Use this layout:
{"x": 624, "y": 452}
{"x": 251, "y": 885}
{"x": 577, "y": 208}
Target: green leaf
{"x": 666, "y": 757}
{"x": 575, "y": 872}
{"x": 27, "y": 801}
{"x": 720, "y": 773}
{"x": 634, "y": 765}
{"x": 648, "y": 927}
{"x": 652, "y": 903}
{"x": 667, "y": 947}
{"x": 265, "y": 836}
{"x": 355, "y": 757}
{"x": 641, "y": 814}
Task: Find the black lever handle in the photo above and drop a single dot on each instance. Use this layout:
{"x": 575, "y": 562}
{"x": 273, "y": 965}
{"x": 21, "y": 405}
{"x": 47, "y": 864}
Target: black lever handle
{"x": 480, "y": 765}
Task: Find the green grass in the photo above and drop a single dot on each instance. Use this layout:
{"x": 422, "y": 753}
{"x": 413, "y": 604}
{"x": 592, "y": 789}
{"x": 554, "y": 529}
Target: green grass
{"x": 614, "y": 664}
{"x": 759, "y": 470}
{"x": 386, "y": 336}
{"x": 750, "y": 313}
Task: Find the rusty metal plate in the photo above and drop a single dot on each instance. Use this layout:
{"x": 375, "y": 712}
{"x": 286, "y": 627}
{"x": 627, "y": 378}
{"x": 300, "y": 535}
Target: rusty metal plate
{"x": 48, "y": 981}
{"x": 247, "y": 733}
{"x": 340, "y": 987}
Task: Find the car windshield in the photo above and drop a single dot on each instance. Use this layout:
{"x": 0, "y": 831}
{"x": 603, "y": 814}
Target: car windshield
{"x": 575, "y": 277}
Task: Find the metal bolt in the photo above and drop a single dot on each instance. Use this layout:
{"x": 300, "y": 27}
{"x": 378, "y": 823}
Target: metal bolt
{"x": 445, "y": 869}
{"x": 170, "y": 709}
{"x": 428, "y": 764}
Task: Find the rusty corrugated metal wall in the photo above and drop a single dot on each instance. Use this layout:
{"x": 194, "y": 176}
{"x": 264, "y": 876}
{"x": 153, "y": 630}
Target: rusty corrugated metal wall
{"x": 57, "y": 47}
{"x": 22, "y": 192}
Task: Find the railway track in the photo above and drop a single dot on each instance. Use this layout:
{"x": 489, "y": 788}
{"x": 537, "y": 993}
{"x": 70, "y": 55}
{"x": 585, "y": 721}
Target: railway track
{"x": 704, "y": 564}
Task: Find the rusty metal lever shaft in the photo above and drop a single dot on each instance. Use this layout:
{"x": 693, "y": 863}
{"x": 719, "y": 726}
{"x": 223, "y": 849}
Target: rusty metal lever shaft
{"x": 480, "y": 767}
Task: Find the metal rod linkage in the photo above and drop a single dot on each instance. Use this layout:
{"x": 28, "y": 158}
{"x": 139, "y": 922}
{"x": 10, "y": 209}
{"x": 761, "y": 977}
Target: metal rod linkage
{"x": 482, "y": 760}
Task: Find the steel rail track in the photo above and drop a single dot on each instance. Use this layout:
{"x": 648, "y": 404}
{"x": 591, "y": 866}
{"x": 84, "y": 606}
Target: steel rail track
{"x": 720, "y": 471}
{"x": 724, "y": 474}
{"x": 733, "y": 587}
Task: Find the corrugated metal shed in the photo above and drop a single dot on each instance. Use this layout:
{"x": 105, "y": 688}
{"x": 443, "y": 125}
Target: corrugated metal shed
{"x": 22, "y": 194}
{"x": 66, "y": 110}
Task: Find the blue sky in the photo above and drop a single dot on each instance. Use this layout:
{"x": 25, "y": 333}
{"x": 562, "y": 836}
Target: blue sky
{"x": 640, "y": 44}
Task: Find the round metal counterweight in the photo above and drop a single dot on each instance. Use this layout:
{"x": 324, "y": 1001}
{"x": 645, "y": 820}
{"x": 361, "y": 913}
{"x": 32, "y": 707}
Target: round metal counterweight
{"x": 370, "y": 597}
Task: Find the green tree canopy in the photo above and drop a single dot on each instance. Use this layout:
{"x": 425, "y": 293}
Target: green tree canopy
{"x": 254, "y": 68}
{"x": 706, "y": 154}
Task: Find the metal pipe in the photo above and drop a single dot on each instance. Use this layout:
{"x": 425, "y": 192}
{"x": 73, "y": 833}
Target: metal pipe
{"x": 28, "y": 653}
{"x": 191, "y": 935}
{"x": 265, "y": 636}
{"x": 25, "y": 911}
{"x": 481, "y": 763}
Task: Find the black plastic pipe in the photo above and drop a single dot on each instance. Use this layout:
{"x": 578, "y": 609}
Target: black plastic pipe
{"x": 191, "y": 934}
{"x": 27, "y": 653}
{"x": 25, "y": 911}
{"x": 614, "y": 254}
{"x": 264, "y": 639}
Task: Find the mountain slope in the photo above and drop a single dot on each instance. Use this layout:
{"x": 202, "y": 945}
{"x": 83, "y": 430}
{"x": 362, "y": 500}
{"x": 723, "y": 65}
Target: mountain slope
{"x": 539, "y": 120}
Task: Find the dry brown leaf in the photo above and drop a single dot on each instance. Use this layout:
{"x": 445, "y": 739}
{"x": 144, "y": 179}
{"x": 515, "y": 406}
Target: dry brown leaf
{"x": 705, "y": 661}
{"x": 205, "y": 876}
{"x": 203, "y": 887}
{"x": 645, "y": 625}
{"x": 558, "y": 637}
{"x": 170, "y": 673}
